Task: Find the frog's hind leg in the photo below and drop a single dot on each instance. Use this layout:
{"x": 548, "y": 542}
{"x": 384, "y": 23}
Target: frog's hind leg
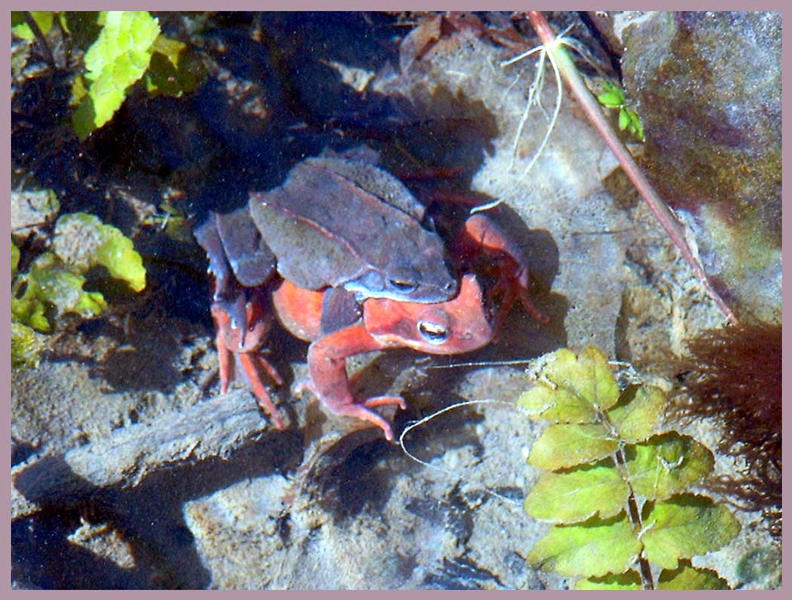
{"x": 482, "y": 237}
{"x": 225, "y": 359}
{"x": 231, "y": 341}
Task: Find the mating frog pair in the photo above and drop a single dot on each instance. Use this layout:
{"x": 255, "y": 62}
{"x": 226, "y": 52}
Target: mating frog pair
{"x": 345, "y": 257}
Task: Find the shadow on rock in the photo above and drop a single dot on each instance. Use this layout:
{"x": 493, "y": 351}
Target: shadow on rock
{"x": 148, "y": 517}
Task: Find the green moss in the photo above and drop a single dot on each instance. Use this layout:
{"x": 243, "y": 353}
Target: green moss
{"x": 51, "y": 284}
{"x": 26, "y": 345}
{"x": 54, "y": 284}
{"x": 84, "y": 241}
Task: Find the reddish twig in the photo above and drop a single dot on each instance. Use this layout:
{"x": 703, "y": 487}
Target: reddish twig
{"x": 590, "y": 106}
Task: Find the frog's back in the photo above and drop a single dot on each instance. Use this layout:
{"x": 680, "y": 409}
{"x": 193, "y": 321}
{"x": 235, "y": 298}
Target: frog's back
{"x": 341, "y": 222}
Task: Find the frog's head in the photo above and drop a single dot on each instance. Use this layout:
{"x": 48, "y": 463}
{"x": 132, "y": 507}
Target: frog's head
{"x": 462, "y": 324}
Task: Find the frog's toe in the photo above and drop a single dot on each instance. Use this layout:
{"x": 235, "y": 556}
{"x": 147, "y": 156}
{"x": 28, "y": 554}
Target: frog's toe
{"x": 251, "y": 365}
{"x": 385, "y": 401}
{"x": 359, "y": 411}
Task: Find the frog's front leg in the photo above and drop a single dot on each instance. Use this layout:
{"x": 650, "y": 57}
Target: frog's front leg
{"x": 330, "y": 382}
{"x": 243, "y": 342}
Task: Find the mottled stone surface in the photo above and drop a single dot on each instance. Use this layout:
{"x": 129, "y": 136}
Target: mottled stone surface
{"x": 130, "y": 470}
{"x": 707, "y": 86}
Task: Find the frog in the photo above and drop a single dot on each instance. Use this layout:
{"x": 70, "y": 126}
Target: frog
{"x": 339, "y": 220}
{"x": 304, "y": 266}
{"x": 462, "y": 324}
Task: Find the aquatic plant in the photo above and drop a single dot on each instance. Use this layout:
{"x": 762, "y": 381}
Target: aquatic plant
{"x": 53, "y": 285}
{"x": 612, "y": 96}
{"x": 99, "y": 245}
{"x": 122, "y": 48}
{"x": 617, "y": 489}
{"x": 733, "y": 377}
{"x": 116, "y": 60}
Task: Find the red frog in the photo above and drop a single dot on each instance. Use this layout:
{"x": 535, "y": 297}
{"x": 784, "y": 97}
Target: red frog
{"x": 301, "y": 247}
{"x": 452, "y": 327}
{"x": 338, "y": 326}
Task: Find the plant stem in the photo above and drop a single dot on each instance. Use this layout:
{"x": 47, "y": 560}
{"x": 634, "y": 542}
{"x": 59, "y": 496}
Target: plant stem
{"x": 595, "y": 115}
{"x": 31, "y": 22}
{"x": 633, "y": 512}
{"x": 635, "y": 518}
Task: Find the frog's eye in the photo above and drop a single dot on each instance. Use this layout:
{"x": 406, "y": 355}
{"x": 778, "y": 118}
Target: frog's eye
{"x": 402, "y": 286}
{"x": 433, "y": 333}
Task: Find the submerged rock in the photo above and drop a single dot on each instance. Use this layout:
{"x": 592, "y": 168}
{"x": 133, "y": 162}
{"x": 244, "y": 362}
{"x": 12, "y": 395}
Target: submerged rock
{"x": 708, "y": 89}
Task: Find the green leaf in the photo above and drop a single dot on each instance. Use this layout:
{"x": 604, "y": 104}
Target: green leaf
{"x": 610, "y": 100}
{"x": 687, "y": 577}
{"x": 667, "y": 465}
{"x": 119, "y": 257}
{"x": 631, "y": 580}
{"x": 685, "y": 526}
{"x": 116, "y": 60}
{"x": 79, "y": 91}
{"x": 169, "y": 48}
{"x": 20, "y": 28}
{"x": 545, "y": 402}
{"x": 570, "y": 444}
{"x": 635, "y": 126}
{"x": 174, "y": 70}
{"x": 572, "y": 389}
{"x": 99, "y": 245}
{"x": 591, "y": 549}
{"x": 637, "y": 412}
{"x": 624, "y": 119}
{"x": 50, "y": 282}
{"x": 612, "y": 96}
{"x": 26, "y": 345}
{"x": 14, "y": 259}
{"x": 84, "y": 116}
{"x": 578, "y": 494}
{"x": 127, "y": 36}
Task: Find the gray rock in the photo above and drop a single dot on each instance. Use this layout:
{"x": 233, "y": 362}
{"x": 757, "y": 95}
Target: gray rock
{"x": 707, "y": 86}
